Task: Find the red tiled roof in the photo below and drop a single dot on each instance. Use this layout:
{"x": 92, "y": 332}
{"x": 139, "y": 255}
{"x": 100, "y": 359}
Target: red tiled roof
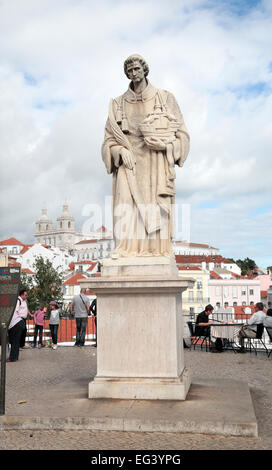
{"x": 198, "y": 259}
{"x": 27, "y": 271}
{"x": 189, "y": 268}
{"x": 11, "y": 241}
{"x": 13, "y": 263}
{"x": 93, "y": 266}
{"x": 239, "y": 311}
{"x": 25, "y": 249}
{"x": 82, "y": 242}
{"x": 83, "y": 262}
{"x": 214, "y": 275}
{"x": 74, "y": 279}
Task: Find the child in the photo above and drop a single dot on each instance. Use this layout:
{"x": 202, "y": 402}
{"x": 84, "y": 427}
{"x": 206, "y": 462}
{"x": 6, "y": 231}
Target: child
{"x": 39, "y": 323}
{"x": 54, "y": 323}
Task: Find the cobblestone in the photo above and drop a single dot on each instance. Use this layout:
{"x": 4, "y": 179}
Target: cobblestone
{"x": 37, "y": 370}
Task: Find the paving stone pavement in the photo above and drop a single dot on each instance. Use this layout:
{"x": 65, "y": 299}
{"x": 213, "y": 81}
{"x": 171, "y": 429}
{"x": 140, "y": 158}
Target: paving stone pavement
{"x": 34, "y": 373}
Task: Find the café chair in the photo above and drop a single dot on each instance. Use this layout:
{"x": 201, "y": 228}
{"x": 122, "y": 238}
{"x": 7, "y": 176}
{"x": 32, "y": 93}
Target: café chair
{"x": 195, "y": 339}
{"x": 269, "y": 332}
{"x": 257, "y": 340}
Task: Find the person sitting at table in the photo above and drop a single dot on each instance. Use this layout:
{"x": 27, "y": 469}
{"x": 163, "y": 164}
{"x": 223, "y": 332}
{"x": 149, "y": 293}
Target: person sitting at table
{"x": 250, "y": 329}
{"x": 268, "y": 318}
{"x": 203, "y": 328}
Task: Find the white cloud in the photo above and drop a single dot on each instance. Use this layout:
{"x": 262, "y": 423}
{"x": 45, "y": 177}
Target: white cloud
{"x": 63, "y": 61}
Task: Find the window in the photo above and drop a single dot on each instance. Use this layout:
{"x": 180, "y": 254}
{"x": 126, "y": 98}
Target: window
{"x": 226, "y": 291}
{"x": 234, "y": 292}
{"x": 192, "y": 310}
{"x": 226, "y": 304}
{"x": 191, "y": 296}
{"x": 243, "y": 303}
{"x": 60, "y": 224}
{"x": 251, "y": 291}
{"x": 69, "y": 224}
{"x": 199, "y": 284}
{"x": 218, "y": 304}
{"x": 251, "y": 303}
{"x": 199, "y": 296}
{"x": 243, "y": 290}
{"x": 218, "y": 291}
{"x": 234, "y": 304}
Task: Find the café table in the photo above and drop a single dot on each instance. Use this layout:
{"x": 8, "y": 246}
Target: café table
{"x": 228, "y": 331}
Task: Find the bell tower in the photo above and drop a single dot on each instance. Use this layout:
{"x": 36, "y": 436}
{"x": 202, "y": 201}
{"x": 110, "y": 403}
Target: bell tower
{"x": 44, "y": 230}
{"x": 65, "y": 233}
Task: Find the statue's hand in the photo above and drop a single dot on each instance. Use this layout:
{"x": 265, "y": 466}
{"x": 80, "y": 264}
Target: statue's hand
{"x": 128, "y": 159}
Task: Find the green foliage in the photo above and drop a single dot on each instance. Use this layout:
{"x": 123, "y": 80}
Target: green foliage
{"x": 44, "y": 286}
{"x": 246, "y": 265}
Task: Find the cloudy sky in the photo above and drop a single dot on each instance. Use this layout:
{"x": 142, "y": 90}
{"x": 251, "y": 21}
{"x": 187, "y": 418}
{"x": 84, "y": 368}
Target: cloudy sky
{"x": 61, "y": 62}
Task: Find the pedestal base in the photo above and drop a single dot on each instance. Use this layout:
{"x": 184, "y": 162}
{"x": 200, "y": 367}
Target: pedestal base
{"x": 141, "y": 388}
{"x": 139, "y": 330}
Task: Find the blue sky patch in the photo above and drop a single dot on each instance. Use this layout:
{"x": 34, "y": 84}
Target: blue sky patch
{"x": 52, "y": 104}
{"x": 262, "y": 210}
{"x": 30, "y": 80}
{"x": 208, "y": 205}
{"x": 236, "y": 7}
{"x": 251, "y": 90}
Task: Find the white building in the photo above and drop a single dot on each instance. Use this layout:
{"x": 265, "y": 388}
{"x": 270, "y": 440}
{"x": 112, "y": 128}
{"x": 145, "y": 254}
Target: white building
{"x": 60, "y": 259}
{"x": 12, "y": 246}
{"x": 96, "y": 249}
{"x": 187, "y": 248}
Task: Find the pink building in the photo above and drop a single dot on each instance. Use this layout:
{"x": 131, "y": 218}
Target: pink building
{"x": 232, "y": 292}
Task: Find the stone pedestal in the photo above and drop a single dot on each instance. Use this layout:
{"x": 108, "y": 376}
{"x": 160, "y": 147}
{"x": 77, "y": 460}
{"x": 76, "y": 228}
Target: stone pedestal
{"x": 139, "y": 330}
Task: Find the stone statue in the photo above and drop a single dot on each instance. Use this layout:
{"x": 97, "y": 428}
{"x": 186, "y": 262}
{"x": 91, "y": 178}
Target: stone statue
{"x": 145, "y": 137}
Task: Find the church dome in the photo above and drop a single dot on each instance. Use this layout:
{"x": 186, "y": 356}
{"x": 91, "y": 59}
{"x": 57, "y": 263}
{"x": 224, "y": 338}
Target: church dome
{"x": 44, "y": 217}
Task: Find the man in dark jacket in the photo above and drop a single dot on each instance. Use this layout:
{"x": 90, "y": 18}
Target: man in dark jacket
{"x": 203, "y": 328}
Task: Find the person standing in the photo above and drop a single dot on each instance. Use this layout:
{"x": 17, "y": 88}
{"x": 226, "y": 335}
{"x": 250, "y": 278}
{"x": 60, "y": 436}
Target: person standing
{"x": 39, "y": 316}
{"x": 17, "y": 326}
{"x": 24, "y": 333}
{"x": 80, "y": 309}
{"x": 54, "y": 323}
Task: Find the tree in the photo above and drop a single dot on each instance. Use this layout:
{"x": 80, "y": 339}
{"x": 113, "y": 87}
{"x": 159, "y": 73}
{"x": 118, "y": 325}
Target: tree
{"x": 246, "y": 265}
{"x": 44, "y": 286}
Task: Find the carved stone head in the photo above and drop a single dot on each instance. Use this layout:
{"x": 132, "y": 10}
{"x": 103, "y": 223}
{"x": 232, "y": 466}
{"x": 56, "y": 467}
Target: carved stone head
{"x": 136, "y": 58}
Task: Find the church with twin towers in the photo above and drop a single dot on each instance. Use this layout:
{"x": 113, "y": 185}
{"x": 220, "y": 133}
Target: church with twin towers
{"x": 63, "y": 236}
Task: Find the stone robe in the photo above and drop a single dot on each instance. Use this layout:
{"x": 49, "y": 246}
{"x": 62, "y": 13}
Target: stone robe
{"x": 143, "y": 199}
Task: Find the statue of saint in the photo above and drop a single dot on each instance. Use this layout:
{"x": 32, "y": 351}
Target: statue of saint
{"x": 145, "y": 137}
